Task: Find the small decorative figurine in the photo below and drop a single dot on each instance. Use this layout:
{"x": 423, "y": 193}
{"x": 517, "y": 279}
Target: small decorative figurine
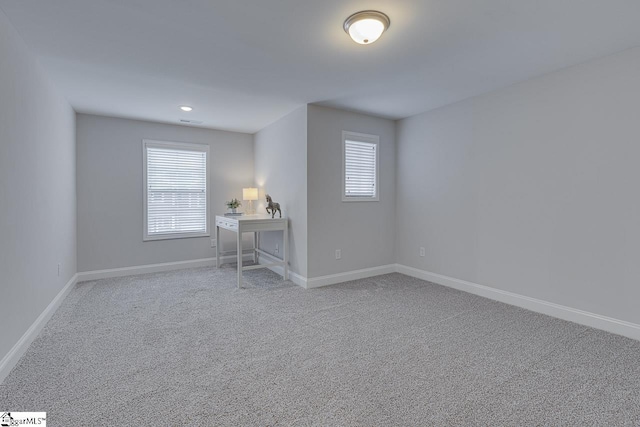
{"x": 273, "y": 206}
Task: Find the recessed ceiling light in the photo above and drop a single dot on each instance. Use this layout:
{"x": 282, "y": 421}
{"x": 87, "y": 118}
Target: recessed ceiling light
{"x": 366, "y": 26}
{"x": 186, "y": 108}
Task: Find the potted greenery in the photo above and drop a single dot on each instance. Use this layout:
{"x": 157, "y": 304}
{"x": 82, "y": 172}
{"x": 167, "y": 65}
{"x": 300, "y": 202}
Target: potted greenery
{"x": 233, "y": 205}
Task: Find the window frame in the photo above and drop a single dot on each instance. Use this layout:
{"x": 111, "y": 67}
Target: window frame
{"x": 365, "y": 138}
{"x": 186, "y": 146}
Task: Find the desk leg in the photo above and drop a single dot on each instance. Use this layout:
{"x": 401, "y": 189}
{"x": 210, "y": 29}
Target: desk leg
{"x": 239, "y": 234}
{"x": 217, "y": 247}
{"x": 285, "y": 246}
{"x": 255, "y": 247}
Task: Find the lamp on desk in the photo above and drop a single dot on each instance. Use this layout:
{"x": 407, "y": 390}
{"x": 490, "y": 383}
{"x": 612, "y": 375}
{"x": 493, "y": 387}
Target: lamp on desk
{"x": 250, "y": 194}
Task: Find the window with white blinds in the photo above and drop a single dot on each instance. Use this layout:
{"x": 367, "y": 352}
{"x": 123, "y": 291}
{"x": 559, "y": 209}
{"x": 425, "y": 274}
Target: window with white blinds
{"x": 176, "y": 195}
{"x": 360, "y": 167}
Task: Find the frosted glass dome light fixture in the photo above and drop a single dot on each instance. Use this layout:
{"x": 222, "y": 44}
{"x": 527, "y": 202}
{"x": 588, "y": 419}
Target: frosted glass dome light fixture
{"x": 365, "y": 27}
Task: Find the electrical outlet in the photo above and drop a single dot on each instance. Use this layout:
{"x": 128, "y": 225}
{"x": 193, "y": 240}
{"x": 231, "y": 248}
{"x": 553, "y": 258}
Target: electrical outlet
{"x": 277, "y": 249}
{"x": 422, "y": 252}
{"x": 214, "y": 243}
{"x": 338, "y": 253}
{"x": 59, "y": 265}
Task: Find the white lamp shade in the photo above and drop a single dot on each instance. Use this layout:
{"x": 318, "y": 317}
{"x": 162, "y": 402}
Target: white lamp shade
{"x": 250, "y": 194}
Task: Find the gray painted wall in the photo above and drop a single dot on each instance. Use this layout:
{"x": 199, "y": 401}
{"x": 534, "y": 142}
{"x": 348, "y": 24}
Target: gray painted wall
{"x": 364, "y": 231}
{"x": 281, "y": 171}
{"x": 110, "y": 190}
{"x": 532, "y": 189}
{"x": 37, "y": 189}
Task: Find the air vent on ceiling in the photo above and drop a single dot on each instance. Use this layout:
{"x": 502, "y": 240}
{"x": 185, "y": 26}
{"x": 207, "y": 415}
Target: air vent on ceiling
{"x": 191, "y": 122}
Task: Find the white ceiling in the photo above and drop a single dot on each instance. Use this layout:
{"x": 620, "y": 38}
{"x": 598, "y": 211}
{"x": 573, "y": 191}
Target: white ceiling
{"x": 243, "y": 64}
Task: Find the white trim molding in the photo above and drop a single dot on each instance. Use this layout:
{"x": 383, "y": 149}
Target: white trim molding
{"x": 609, "y": 324}
{"x": 332, "y": 279}
{"x": 153, "y": 268}
{"x": 17, "y": 351}
{"x": 143, "y": 269}
{"x": 293, "y": 276}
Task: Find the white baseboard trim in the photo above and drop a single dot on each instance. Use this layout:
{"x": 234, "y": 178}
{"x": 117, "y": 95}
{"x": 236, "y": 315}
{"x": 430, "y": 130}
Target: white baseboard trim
{"x": 294, "y": 277}
{"x": 13, "y": 356}
{"x": 153, "y": 268}
{"x": 609, "y": 324}
{"x": 332, "y": 279}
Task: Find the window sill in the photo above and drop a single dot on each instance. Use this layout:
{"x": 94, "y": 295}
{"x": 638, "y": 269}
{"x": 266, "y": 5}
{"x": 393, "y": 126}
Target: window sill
{"x": 360, "y": 199}
{"x": 174, "y": 236}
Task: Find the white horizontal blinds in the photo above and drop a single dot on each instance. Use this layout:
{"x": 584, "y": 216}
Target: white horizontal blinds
{"x": 176, "y": 191}
{"x": 360, "y": 169}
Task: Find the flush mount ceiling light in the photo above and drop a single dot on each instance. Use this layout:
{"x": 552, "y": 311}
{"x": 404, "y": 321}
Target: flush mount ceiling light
{"x": 186, "y": 108}
{"x": 366, "y": 26}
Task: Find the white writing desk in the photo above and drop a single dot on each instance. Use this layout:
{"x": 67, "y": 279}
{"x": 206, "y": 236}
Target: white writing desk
{"x": 254, "y": 224}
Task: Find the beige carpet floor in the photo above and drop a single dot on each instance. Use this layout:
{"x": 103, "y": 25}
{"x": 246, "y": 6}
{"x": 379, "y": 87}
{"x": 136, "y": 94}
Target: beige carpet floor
{"x": 188, "y": 348}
